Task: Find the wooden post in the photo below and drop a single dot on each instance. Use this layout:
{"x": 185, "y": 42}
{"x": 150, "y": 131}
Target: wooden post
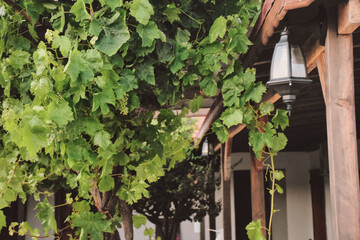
{"x": 225, "y": 184}
{"x": 257, "y": 186}
{"x": 257, "y": 192}
{"x": 341, "y": 132}
{"x": 202, "y": 229}
{"x": 212, "y": 220}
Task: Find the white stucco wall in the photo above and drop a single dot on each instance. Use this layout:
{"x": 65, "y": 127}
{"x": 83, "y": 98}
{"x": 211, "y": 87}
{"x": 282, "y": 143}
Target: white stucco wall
{"x": 294, "y": 221}
{"x": 31, "y": 212}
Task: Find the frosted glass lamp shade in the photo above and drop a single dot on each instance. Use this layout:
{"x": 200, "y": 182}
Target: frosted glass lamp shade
{"x": 288, "y": 73}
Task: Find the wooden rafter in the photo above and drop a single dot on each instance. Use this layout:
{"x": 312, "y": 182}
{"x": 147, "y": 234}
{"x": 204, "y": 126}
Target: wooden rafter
{"x": 349, "y": 17}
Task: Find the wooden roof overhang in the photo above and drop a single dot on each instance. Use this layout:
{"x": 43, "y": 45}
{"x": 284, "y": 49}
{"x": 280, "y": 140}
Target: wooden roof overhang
{"x": 308, "y": 121}
{"x": 323, "y": 111}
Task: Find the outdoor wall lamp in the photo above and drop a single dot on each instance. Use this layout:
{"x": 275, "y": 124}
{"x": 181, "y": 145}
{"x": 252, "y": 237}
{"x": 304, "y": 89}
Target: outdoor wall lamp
{"x": 207, "y": 148}
{"x": 288, "y": 73}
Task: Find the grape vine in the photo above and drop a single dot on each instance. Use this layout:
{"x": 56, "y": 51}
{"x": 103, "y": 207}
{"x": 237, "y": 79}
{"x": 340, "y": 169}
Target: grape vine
{"x": 81, "y": 82}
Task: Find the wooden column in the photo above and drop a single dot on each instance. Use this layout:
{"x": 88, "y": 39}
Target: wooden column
{"x": 257, "y": 187}
{"x": 257, "y": 192}
{"x": 341, "y": 131}
{"x": 225, "y": 184}
{"x": 202, "y": 229}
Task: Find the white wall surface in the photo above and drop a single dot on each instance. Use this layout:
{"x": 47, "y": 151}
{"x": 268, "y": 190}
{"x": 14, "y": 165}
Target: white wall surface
{"x": 294, "y": 221}
{"x": 139, "y": 233}
{"x": 31, "y": 212}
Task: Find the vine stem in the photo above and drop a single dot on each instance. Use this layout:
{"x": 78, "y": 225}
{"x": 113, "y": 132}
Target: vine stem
{"x": 272, "y": 191}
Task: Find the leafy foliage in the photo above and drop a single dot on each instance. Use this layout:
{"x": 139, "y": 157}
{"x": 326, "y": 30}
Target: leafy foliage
{"x": 183, "y": 193}
{"x": 80, "y": 91}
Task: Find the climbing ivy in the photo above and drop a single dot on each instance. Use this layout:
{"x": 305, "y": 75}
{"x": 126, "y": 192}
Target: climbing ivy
{"x": 81, "y": 82}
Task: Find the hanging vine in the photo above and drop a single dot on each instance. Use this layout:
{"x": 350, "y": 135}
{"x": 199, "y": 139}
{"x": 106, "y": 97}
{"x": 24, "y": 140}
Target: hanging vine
{"x": 80, "y": 84}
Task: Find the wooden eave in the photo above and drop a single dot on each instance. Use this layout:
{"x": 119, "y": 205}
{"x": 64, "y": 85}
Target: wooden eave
{"x": 273, "y": 11}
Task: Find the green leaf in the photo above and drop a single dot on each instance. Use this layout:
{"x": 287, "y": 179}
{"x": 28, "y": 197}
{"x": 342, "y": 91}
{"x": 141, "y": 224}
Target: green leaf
{"x": 279, "y": 189}
{"x": 106, "y": 183}
{"x": 190, "y": 79}
{"x": 150, "y": 170}
{"x": 64, "y": 43}
{"x": 172, "y": 13}
{"x": 231, "y": 91}
{"x": 33, "y": 33}
{"x": 32, "y": 11}
{"x": 255, "y": 93}
{"x": 102, "y": 100}
{"x": 256, "y": 140}
{"x": 141, "y": 10}
{"x": 60, "y": 78}
{"x": 278, "y": 175}
{"x": 112, "y": 3}
{"x": 281, "y": 119}
{"x": 18, "y": 59}
{"x": 92, "y": 224}
{"x": 133, "y": 102}
{"x": 209, "y": 86}
{"x": 78, "y": 69}
{"x": 2, "y": 220}
{"x": 218, "y": 29}
{"x": 164, "y": 52}
{"x": 279, "y": 142}
{"x": 145, "y": 72}
{"x": 94, "y": 59}
{"x": 41, "y": 58}
{"x": 41, "y": 87}
{"x": 254, "y": 230}
{"x": 46, "y": 216}
{"x": 59, "y": 18}
{"x": 220, "y": 131}
{"x": 33, "y": 129}
{"x": 128, "y": 81}
{"x": 20, "y": 43}
{"x": 231, "y": 117}
{"x": 181, "y": 50}
{"x": 79, "y": 10}
{"x": 108, "y": 79}
{"x": 91, "y": 125}
{"x": 139, "y": 220}
{"x": 196, "y": 103}
{"x": 113, "y": 36}
{"x": 102, "y": 139}
{"x": 60, "y": 112}
{"x": 266, "y": 108}
{"x": 149, "y": 33}
{"x": 95, "y": 27}
{"x": 149, "y": 232}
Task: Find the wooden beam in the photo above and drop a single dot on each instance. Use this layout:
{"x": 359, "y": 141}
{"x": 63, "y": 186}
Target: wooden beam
{"x": 210, "y": 117}
{"x": 349, "y": 17}
{"x": 225, "y": 186}
{"x": 320, "y": 63}
{"x": 257, "y": 192}
{"x": 312, "y": 50}
{"x": 341, "y": 132}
